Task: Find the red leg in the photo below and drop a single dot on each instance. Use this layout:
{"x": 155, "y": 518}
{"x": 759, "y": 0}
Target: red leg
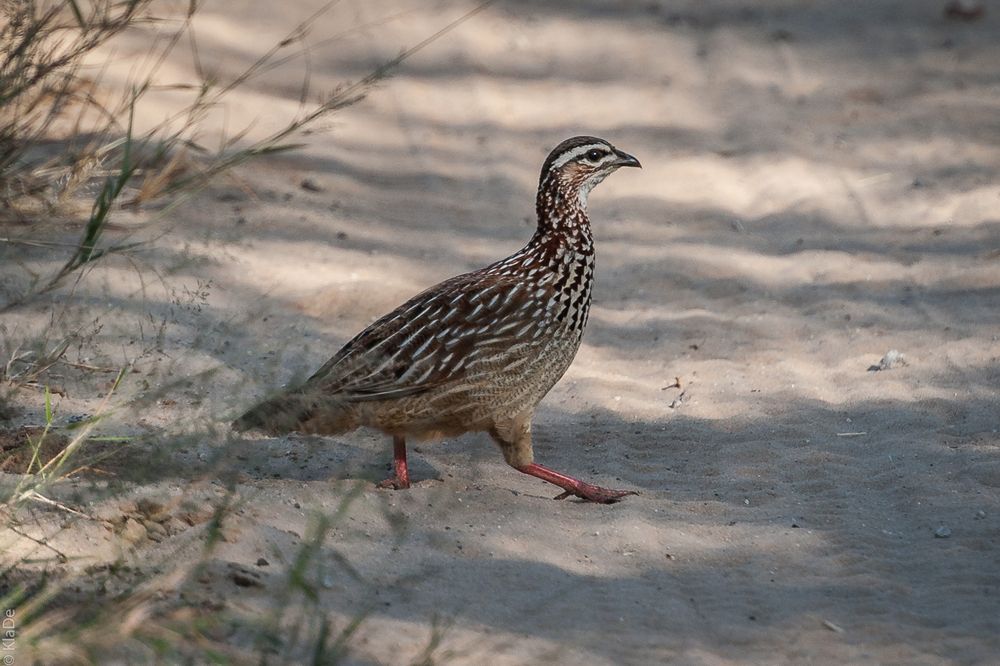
{"x": 402, "y": 477}
{"x": 575, "y": 486}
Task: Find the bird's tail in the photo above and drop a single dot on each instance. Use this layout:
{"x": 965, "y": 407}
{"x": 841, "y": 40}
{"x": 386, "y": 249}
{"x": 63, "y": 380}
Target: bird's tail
{"x": 299, "y": 411}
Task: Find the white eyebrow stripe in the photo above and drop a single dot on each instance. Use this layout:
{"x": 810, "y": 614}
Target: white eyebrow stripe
{"x": 577, "y": 152}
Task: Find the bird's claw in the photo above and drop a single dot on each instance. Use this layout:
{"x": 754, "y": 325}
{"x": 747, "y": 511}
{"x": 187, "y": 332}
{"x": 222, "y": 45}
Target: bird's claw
{"x": 393, "y": 483}
{"x": 596, "y": 494}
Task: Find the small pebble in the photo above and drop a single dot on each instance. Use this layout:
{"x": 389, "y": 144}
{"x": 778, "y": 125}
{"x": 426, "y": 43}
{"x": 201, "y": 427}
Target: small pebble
{"x": 244, "y": 579}
{"x": 980, "y": 514}
{"x": 942, "y": 532}
{"x": 892, "y": 359}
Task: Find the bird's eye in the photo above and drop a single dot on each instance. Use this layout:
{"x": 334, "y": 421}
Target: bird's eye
{"x": 596, "y": 154}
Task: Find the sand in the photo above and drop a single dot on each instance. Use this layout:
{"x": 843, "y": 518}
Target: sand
{"x": 820, "y": 185}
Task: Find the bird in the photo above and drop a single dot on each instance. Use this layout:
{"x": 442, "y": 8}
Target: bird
{"x": 477, "y": 352}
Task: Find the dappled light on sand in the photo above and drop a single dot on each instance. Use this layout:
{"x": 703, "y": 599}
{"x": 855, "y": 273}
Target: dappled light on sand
{"x": 820, "y": 185}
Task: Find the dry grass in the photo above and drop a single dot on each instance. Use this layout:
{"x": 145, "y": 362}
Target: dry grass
{"x": 62, "y": 133}
{"x": 150, "y": 615}
{"x": 42, "y": 85}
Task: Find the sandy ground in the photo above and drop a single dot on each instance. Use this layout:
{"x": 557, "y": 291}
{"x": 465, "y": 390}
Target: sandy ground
{"x": 821, "y": 184}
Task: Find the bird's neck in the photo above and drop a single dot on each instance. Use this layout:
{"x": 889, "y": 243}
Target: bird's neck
{"x": 562, "y": 216}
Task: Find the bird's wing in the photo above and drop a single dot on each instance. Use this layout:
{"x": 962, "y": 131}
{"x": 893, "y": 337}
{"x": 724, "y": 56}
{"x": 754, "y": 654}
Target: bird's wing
{"x": 426, "y": 342}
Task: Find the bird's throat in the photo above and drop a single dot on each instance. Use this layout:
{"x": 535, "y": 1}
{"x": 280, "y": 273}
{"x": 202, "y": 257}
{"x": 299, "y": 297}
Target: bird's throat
{"x": 562, "y": 214}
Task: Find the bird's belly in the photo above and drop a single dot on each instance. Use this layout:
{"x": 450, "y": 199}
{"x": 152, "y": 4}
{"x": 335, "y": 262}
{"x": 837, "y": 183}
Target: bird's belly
{"x": 493, "y": 389}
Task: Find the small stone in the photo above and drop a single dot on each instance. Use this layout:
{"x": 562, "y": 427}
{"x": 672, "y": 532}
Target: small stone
{"x": 892, "y": 359}
{"x": 229, "y": 533}
{"x": 133, "y": 531}
{"x": 980, "y": 514}
{"x": 310, "y": 185}
{"x": 174, "y": 526}
{"x": 244, "y": 579}
{"x": 261, "y": 562}
{"x": 942, "y": 532}
{"x": 152, "y": 509}
{"x": 154, "y": 530}
{"x": 196, "y": 516}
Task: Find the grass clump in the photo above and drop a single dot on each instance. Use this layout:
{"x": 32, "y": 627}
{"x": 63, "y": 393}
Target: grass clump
{"x": 43, "y": 50}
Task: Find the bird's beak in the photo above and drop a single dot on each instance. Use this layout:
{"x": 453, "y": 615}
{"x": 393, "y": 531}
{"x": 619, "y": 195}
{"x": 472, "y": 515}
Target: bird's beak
{"x": 626, "y": 160}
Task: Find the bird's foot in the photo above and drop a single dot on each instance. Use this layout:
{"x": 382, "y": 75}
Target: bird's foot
{"x": 575, "y": 487}
{"x": 393, "y": 483}
{"x": 401, "y": 478}
{"x": 597, "y": 494}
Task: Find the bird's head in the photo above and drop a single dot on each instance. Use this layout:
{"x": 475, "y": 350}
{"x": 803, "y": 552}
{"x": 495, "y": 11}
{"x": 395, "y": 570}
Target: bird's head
{"x": 576, "y": 165}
